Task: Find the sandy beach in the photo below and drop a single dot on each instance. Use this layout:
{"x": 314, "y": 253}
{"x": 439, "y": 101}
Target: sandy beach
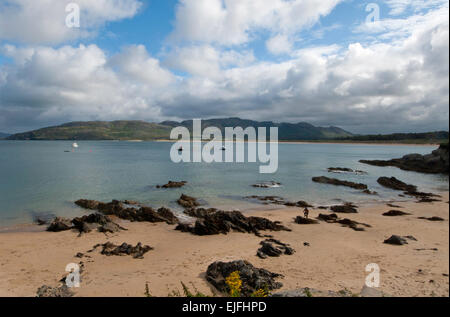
{"x": 335, "y": 260}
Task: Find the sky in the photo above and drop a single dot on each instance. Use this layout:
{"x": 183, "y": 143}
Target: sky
{"x": 365, "y": 66}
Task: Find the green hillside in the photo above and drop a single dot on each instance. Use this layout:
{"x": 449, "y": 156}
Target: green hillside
{"x": 97, "y": 130}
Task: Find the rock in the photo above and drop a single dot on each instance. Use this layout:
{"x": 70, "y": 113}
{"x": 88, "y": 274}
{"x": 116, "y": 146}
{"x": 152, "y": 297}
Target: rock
{"x": 167, "y": 214}
{"x": 96, "y": 221}
{"x": 369, "y": 192}
{"x": 60, "y": 224}
{"x": 352, "y": 224}
{"x": 253, "y": 279}
{"x": 305, "y": 221}
{"x": 396, "y": 240}
{"x": 273, "y": 248}
{"x": 137, "y": 252}
{"x": 394, "y": 183}
{"x": 87, "y": 204}
{"x": 344, "y": 170}
{"x": 338, "y": 182}
{"x": 187, "y": 201}
{"x": 432, "y": 218}
{"x": 395, "y": 213}
{"x": 303, "y": 204}
{"x": 434, "y": 163}
{"x": 328, "y": 218}
{"x": 347, "y": 208}
{"x": 136, "y": 213}
{"x": 371, "y": 292}
{"x": 267, "y": 185}
{"x": 394, "y": 206}
{"x": 213, "y": 221}
{"x": 268, "y": 199}
{"x": 48, "y": 291}
{"x": 172, "y": 184}
{"x": 306, "y": 244}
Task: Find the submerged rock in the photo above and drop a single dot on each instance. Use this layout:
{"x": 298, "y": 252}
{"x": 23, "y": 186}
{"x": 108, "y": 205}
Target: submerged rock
{"x": 344, "y": 170}
{"x": 273, "y": 248}
{"x": 172, "y": 184}
{"x": 267, "y": 185}
{"x": 338, "y": 182}
{"x": 252, "y": 278}
{"x": 188, "y": 201}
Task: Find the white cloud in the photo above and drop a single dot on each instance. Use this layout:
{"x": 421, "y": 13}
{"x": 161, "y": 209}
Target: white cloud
{"x": 233, "y": 22}
{"x": 43, "y": 21}
{"x": 400, "y": 6}
{"x": 279, "y": 44}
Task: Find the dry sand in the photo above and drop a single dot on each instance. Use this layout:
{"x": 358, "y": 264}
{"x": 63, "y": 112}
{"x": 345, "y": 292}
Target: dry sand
{"x": 335, "y": 260}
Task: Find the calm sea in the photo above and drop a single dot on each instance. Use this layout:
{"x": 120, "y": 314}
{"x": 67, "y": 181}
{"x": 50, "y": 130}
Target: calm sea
{"x": 41, "y": 178}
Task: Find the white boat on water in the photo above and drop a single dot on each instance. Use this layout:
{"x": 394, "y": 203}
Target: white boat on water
{"x": 75, "y": 145}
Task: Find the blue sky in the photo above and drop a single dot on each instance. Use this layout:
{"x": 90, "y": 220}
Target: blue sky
{"x": 296, "y": 60}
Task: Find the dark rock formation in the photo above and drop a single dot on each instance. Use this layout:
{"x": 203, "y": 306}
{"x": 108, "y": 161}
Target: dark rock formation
{"x": 338, "y": 182}
{"x": 273, "y": 248}
{"x": 344, "y": 170}
{"x": 60, "y": 224}
{"x": 135, "y": 213}
{"x": 394, "y": 183}
{"x": 305, "y": 221}
{"x": 395, "y": 213}
{"x": 434, "y": 163}
{"x": 303, "y": 204}
{"x": 95, "y": 221}
{"x": 213, "y": 221}
{"x": 188, "y": 201}
{"x": 253, "y": 279}
{"x": 268, "y": 199}
{"x": 333, "y": 218}
{"x": 432, "y": 218}
{"x": 137, "y": 252}
{"x": 328, "y": 218}
{"x": 398, "y": 240}
{"x": 48, "y": 291}
{"x": 394, "y": 206}
{"x": 347, "y": 208}
{"x": 267, "y": 185}
{"x": 172, "y": 184}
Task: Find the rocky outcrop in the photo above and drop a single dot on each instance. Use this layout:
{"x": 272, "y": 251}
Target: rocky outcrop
{"x": 267, "y": 185}
{"x": 188, "y": 201}
{"x": 345, "y": 170}
{"x": 305, "y": 221}
{"x": 395, "y": 213}
{"x": 137, "y": 252}
{"x": 125, "y": 210}
{"x": 432, "y": 218}
{"x": 434, "y": 163}
{"x": 60, "y": 224}
{"x": 338, "y": 182}
{"x": 398, "y": 240}
{"x": 273, "y": 248}
{"x": 347, "y": 208}
{"x": 96, "y": 221}
{"x": 48, "y": 291}
{"x": 213, "y": 221}
{"x": 172, "y": 184}
{"x": 396, "y": 184}
{"x": 253, "y": 279}
{"x": 333, "y": 218}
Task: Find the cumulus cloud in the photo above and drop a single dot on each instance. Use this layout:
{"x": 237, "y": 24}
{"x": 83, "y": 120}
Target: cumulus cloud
{"x": 44, "y": 21}
{"x": 233, "y": 22}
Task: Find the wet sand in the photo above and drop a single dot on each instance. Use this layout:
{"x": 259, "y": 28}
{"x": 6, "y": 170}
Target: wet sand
{"x": 335, "y": 260}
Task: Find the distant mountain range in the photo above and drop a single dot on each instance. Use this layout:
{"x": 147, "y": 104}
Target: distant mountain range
{"x": 140, "y": 130}
{"x": 4, "y": 135}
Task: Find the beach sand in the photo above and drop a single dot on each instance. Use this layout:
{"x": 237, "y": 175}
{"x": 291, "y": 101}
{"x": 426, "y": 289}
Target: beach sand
{"x": 335, "y": 260}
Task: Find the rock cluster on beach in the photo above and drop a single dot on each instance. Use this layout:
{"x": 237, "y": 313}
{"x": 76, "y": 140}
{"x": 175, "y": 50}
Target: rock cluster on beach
{"x": 188, "y": 201}
{"x": 273, "y": 248}
{"x": 333, "y": 218}
{"x": 347, "y": 208}
{"x": 305, "y": 221}
{"x": 398, "y": 240}
{"x": 253, "y": 279}
{"x": 85, "y": 224}
{"x": 434, "y": 163}
{"x": 395, "y": 213}
{"x": 60, "y": 291}
{"x": 137, "y": 252}
{"x": 131, "y": 212}
{"x": 213, "y": 221}
{"x": 411, "y": 190}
